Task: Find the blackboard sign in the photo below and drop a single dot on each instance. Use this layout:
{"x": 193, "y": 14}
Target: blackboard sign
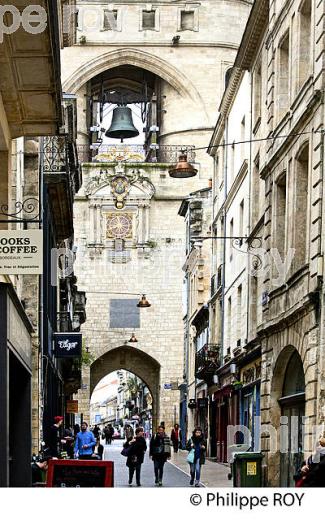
{"x": 67, "y": 344}
{"x": 80, "y": 473}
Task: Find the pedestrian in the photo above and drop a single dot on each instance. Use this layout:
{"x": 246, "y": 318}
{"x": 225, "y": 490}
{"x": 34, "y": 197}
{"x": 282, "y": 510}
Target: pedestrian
{"x": 111, "y": 433}
{"x": 68, "y": 440}
{"x": 196, "y": 448}
{"x": 176, "y": 437}
{"x": 96, "y": 431}
{"x": 107, "y": 434}
{"x": 312, "y": 472}
{"x": 39, "y": 469}
{"x": 54, "y": 437}
{"x": 159, "y": 452}
{"x": 136, "y": 448}
{"x": 85, "y": 441}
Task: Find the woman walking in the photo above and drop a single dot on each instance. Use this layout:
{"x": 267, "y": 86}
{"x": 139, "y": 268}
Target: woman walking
{"x": 176, "y": 437}
{"x": 159, "y": 452}
{"x": 136, "y": 449}
{"x": 196, "y": 448}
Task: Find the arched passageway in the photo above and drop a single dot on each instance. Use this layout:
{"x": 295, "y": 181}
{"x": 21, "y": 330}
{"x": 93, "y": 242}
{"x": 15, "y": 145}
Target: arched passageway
{"x": 133, "y": 360}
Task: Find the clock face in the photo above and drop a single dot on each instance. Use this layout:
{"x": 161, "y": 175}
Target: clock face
{"x": 119, "y": 225}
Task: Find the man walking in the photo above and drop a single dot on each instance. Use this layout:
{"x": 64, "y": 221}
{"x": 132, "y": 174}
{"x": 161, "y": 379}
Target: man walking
{"x": 159, "y": 452}
{"x": 85, "y": 441}
{"x": 54, "y": 437}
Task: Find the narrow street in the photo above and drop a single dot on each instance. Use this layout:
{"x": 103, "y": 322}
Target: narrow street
{"x": 173, "y": 477}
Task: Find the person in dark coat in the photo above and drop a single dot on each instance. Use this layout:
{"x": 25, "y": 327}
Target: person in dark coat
{"x": 198, "y": 444}
{"x": 107, "y": 435}
{"x": 137, "y": 448}
{"x": 176, "y": 437}
{"x": 312, "y": 473}
{"x": 54, "y": 437}
{"x": 159, "y": 452}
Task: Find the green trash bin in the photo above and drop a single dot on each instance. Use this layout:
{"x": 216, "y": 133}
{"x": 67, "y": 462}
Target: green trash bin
{"x": 247, "y": 469}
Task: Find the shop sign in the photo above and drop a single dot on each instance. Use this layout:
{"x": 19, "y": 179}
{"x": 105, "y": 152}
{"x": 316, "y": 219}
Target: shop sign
{"x": 67, "y": 344}
{"x": 80, "y": 473}
{"x": 72, "y": 406}
{"x": 21, "y": 252}
{"x": 202, "y": 402}
{"x": 251, "y": 373}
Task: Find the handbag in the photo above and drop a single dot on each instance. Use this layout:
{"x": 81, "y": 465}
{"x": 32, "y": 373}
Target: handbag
{"x": 125, "y": 452}
{"x": 190, "y": 457}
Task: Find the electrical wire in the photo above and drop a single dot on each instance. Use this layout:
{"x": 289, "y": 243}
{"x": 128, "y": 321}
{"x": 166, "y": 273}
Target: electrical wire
{"x": 234, "y": 143}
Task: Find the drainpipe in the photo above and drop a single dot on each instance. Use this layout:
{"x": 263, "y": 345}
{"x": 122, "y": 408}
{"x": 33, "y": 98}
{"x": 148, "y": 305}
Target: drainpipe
{"x": 250, "y": 162}
{"x": 225, "y": 168}
{"x": 41, "y": 292}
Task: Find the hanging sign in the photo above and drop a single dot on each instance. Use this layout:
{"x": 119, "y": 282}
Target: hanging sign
{"x": 72, "y": 406}
{"x": 67, "y": 344}
{"x": 21, "y": 252}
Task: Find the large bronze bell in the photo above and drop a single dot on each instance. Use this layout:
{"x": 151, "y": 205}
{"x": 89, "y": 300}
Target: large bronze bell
{"x": 122, "y": 126}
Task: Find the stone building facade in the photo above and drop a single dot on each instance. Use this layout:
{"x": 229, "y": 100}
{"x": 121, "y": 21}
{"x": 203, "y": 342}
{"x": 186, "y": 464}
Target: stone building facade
{"x": 173, "y": 46}
{"x": 281, "y": 53}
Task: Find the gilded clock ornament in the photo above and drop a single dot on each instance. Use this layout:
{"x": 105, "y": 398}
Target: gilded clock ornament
{"x": 118, "y": 225}
{"x": 120, "y": 187}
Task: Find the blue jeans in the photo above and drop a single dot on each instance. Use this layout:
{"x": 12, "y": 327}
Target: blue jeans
{"x": 195, "y": 469}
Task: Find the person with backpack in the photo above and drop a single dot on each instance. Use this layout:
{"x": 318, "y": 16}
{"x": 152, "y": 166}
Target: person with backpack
{"x": 196, "y": 446}
{"x": 159, "y": 452}
{"x": 134, "y": 449}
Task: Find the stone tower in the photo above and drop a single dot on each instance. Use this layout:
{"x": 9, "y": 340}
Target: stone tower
{"x": 172, "y": 58}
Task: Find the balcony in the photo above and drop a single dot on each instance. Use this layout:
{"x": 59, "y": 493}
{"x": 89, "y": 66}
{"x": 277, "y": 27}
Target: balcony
{"x": 134, "y": 153}
{"x": 64, "y": 323}
{"x": 207, "y": 361}
{"x": 62, "y": 177}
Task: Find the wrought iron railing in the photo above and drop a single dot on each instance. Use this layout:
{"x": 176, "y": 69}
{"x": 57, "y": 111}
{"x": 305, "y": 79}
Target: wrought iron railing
{"x": 134, "y": 153}
{"x": 60, "y": 156}
{"x": 64, "y": 322}
{"x": 207, "y": 360}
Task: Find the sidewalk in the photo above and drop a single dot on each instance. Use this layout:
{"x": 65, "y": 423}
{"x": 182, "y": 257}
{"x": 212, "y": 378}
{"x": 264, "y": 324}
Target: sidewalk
{"x": 213, "y": 474}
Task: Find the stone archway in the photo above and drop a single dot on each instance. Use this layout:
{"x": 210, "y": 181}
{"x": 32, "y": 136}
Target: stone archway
{"x": 135, "y": 361}
{"x": 287, "y": 409}
{"x": 137, "y": 58}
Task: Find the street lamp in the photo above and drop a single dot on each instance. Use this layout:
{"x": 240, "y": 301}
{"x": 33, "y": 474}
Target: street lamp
{"x": 142, "y": 304}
